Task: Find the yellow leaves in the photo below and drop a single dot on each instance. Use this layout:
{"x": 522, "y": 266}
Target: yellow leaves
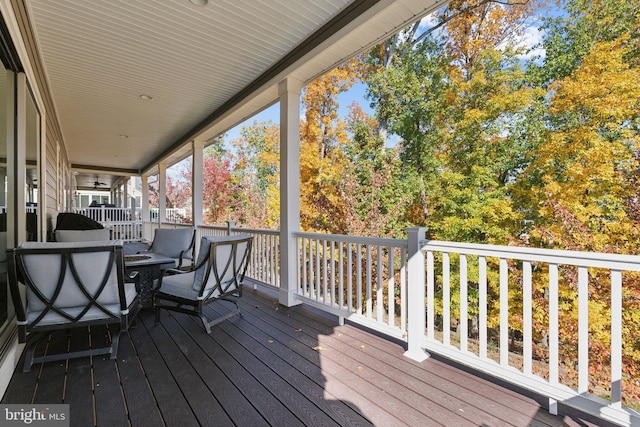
{"x": 604, "y": 86}
{"x": 318, "y": 348}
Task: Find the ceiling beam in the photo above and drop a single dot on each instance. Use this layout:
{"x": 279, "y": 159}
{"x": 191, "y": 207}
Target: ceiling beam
{"x": 105, "y": 170}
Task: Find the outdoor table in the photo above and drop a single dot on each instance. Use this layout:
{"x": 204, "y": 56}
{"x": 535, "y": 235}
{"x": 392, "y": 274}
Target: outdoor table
{"x": 149, "y": 267}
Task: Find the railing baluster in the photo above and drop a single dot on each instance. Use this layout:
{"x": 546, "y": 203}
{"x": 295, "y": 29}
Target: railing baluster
{"x": 553, "y": 324}
{"x": 317, "y": 270}
{"x": 504, "y": 312}
{"x": 359, "y": 278}
{"x": 309, "y": 266}
{"x": 616, "y": 338}
{"x": 583, "y": 330}
{"x": 350, "y": 277}
{"x": 341, "y": 275}
{"x": 325, "y": 272}
{"x": 431, "y": 305}
{"x": 379, "y": 303}
{"x": 463, "y": 325}
{"x": 527, "y": 343}
{"x": 369, "y": 280}
{"x": 332, "y": 281}
{"x": 403, "y": 289}
{"x": 482, "y": 306}
{"x": 391, "y": 288}
{"x": 305, "y": 285}
{"x": 446, "y": 299}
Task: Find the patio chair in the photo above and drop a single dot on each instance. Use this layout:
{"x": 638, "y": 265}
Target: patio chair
{"x": 175, "y": 243}
{"x": 69, "y": 285}
{"x": 217, "y": 275}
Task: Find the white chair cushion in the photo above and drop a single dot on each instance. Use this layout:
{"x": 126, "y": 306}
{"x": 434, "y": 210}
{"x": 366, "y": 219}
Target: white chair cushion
{"x": 170, "y": 242}
{"x": 180, "y": 285}
{"x": 82, "y": 235}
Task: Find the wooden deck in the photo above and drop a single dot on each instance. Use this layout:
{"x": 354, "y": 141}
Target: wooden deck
{"x": 273, "y": 366}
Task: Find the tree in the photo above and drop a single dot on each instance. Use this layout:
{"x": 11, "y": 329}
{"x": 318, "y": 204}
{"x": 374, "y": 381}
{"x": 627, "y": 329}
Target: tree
{"x": 217, "y": 194}
{"x": 321, "y": 158}
{"x": 373, "y": 198}
{"x": 256, "y": 175}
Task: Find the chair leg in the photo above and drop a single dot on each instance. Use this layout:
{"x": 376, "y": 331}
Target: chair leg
{"x": 206, "y": 323}
{"x": 32, "y": 344}
{"x": 157, "y": 313}
{"x": 115, "y": 340}
{"x": 209, "y": 323}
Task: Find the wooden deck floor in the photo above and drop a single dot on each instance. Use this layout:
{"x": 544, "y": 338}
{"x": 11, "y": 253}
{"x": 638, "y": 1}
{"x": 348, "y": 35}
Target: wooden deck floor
{"x": 274, "y": 366}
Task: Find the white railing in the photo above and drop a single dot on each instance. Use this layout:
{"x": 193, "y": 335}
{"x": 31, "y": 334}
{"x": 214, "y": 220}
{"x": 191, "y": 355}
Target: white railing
{"x": 361, "y": 278}
{"x": 172, "y": 215}
{"x": 418, "y": 291}
{"x": 103, "y": 214}
{"x": 264, "y": 266}
{"x": 126, "y": 231}
{"x": 496, "y": 285}
{"x": 124, "y": 223}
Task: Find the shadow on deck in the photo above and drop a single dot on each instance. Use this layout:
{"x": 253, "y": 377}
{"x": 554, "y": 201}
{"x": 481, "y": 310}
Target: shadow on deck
{"x": 273, "y": 366}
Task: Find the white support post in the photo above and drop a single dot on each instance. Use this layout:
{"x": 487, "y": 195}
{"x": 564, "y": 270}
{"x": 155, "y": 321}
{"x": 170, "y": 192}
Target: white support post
{"x": 416, "y": 307}
{"x": 125, "y": 193}
{"x": 197, "y": 186}
{"x": 144, "y": 199}
{"x": 289, "y": 93}
{"x": 230, "y": 226}
{"x": 145, "y": 215}
{"x": 162, "y": 193}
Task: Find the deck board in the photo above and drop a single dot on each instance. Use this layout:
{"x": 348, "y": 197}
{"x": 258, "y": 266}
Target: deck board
{"x": 168, "y": 395}
{"x": 257, "y": 393}
{"x": 236, "y": 406}
{"x": 273, "y": 366}
{"x": 141, "y": 404}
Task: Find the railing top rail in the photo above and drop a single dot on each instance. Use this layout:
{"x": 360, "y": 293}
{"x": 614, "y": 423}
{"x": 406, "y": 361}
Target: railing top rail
{"x": 241, "y": 229}
{"x": 396, "y": 243}
{"x": 550, "y": 256}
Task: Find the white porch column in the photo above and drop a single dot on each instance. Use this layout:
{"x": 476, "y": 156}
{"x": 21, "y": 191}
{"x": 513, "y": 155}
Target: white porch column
{"x": 197, "y": 187}
{"x": 125, "y": 193}
{"x": 162, "y": 192}
{"x": 416, "y": 307}
{"x": 145, "y": 215}
{"x": 144, "y": 199}
{"x": 289, "y": 92}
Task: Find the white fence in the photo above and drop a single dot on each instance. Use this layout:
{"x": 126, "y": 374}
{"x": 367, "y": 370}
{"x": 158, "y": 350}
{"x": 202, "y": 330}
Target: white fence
{"x": 264, "y": 266}
{"x": 490, "y": 307}
{"x": 124, "y": 223}
{"x": 498, "y": 284}
{"x": 361, "y": 278}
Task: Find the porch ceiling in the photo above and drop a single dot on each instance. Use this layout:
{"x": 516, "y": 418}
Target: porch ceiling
{"x": 206, "y": 68}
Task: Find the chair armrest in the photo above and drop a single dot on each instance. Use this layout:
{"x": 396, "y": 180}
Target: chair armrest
{"x": 133, "y": 277}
